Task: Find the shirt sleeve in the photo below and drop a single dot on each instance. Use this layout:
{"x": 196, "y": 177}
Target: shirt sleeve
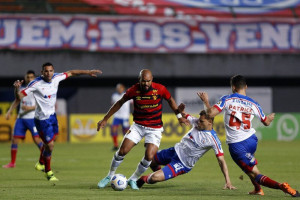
{"x": 191, "y": 119}
{"x": 217, "y": 146}
{"x": 165, "y": 93}
{"x": 129, "y": 93}
{"x": 60, "y": 76}
{"x": 31, "y": 87}
{"x": 220, "y": 104}
{"x": 258, "y": 112}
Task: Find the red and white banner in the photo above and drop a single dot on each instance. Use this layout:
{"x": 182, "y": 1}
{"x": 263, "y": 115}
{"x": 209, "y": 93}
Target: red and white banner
{"x": 145, "y": 34}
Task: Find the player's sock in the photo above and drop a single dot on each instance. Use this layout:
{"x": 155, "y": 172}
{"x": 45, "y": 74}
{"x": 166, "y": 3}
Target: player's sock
{"x": 41, "y": 160}
{"x": 141, "y": 168}
{"x": 115, "y": 140}
{"x": 13, "y": 153}
{"x": 47, "y": 160}
{"x": 266, "y": 181}
{"x": 116, "y": 161}
{"x": 256, "y": 185}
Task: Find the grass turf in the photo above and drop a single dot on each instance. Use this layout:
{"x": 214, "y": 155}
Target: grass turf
{"x": 80, "y": 166}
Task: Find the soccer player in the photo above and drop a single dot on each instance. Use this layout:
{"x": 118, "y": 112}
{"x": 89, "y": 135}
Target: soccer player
{"x": 147, "y": 99}
{"x": 181, "y": 158}
{"x": 239, "y": 110}
{"x": 121, "y": 117}
{"x": 24, "y": 121}
{"x": 44, "y": 90}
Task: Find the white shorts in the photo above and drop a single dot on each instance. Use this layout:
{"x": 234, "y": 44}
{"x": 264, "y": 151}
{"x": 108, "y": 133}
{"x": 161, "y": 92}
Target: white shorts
{"x": 137, "y": 132}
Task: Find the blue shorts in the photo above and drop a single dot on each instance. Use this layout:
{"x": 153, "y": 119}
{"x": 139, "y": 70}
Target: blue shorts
{"x": 174, "y": 166}
{"x": 123, "y": 122}
{"x": 22, "y": 125}
{"x": 47, "y": 128}
{"x": 243, "y": 153}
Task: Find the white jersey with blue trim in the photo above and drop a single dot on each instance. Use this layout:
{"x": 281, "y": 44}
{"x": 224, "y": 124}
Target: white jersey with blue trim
{"x": 28, "y": 100}
{"x": 239, "y": 110}
{"x": 196, "y": 143}
{"x": 44, "y": 94}
{"x": 124, "y": 111}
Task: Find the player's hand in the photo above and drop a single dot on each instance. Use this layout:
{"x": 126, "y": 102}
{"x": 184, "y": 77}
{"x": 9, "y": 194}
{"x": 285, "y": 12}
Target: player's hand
{"x": 17, "y": 83}
{"x": 181, "y": 107}
{"x": 101, "y": 124}
{"x": 203, "y": 96}
{"x": 183, "y": 121}
{"x": 228, "y": 186}
{"x": 7, "y": 116}
{"x": 95, "y": 72}
{"x": 271, "y": 116}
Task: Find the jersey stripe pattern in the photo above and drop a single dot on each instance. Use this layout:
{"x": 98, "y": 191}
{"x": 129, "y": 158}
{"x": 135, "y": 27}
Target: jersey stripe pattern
{"x": 148, "y": 106}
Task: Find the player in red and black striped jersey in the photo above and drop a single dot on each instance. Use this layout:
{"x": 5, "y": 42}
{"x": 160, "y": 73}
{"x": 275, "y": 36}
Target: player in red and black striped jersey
{"x": 147, "y": 97}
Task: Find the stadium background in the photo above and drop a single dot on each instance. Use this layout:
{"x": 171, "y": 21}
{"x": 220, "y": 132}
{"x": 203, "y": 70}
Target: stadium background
{"x": 274, "y": 69}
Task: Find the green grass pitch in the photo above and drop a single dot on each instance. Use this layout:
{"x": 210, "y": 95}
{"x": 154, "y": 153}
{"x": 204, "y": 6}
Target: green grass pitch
{"x": 80, "y": 166}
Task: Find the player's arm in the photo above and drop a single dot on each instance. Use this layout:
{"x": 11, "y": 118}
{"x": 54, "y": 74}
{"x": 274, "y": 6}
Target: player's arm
{"x": 224, "y": 169}
{"x": 113, "y": 109}
{"x": 204, "y": 98}
{"x": 269, "y": 119}
{"x": 18, "y": 95}
{"x": 28, "y": 108}
{"x": 77, "y": 72}
{"x": 174, "y": 107}
{"x": 13, "y": 106}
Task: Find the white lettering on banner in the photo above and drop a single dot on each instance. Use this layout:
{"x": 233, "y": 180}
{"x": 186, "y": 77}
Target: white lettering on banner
{"x": 32, "y": 34}
{"x": 177, "y": 35}
{"x": 246, "y": 37}
{"x": 217, "y": 34}
{"x": 115, "y": 34}
{"x": 274, "y": 35}
{"x": 9, "y": 28}
{"x": 147, "y": 35}
{"x": 72, "y": 34}
{"x": 295, "y": 40}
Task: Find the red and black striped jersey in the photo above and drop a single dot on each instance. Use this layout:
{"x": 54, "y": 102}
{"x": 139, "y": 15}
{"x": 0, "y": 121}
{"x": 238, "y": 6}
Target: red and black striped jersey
{"x": 148, "y": 106}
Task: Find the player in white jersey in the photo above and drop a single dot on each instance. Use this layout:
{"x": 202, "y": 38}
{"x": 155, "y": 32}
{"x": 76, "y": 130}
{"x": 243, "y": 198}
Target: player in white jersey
{"x": 44, "y": 89}
{"x": 239, "y": 110}
{"x": 121, "y": 117}
{"x": 24, "y": 122}
{"x": 183, "y": 157}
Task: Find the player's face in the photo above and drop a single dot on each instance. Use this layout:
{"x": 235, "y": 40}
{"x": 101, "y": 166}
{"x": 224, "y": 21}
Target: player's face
{"x": 29, "y": 78}
{"x": 47, "y": 73}
{"x": 146, "y": 82}
{"x": 120, "y": 89}
{"x": 203, "y": 123}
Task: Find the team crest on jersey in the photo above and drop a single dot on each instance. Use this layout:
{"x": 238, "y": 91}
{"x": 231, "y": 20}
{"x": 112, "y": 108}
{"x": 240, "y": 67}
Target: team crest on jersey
{"x": 219, "y": 102}
{"x": 154, "y": 97}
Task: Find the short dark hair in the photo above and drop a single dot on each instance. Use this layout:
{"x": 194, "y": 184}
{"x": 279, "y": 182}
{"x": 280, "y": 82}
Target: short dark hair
{"x": 238, "y": 81}
{"x": 203, "y": 112}
{"x": 30, "y": 72}
{"x": 47, "y": 64}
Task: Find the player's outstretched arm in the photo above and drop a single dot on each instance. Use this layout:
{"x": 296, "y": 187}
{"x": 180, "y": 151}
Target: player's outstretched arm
{"x": 269, "y": 119}
{"x": 13, "y": 106}
{"x": 77, "y": 72}
{"x": 225, "y": 172}
{"x": 204, "y": 98}
{"x": 174, "y": 107}
{"x": 17, "y": 85}
{"x": 114, "y": 108}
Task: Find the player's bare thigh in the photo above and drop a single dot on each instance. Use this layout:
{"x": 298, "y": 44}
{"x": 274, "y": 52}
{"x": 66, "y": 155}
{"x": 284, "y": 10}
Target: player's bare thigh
{"x": 151, "y": 150}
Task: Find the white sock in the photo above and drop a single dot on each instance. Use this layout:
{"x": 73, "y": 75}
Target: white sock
{"x": 141, "y": 168}
{"x": 116, "y": 161}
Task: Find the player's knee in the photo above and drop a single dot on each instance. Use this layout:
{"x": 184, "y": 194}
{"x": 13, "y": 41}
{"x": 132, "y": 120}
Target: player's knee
{"x": 123, "y": 151}
{"x": 156, "y": 177}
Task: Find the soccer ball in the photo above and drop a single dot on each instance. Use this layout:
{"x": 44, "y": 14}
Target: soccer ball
{"x": 118, "y": 182}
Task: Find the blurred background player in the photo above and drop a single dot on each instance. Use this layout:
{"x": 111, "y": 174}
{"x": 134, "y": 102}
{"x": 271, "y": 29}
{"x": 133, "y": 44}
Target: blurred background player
{"x": 44, "y": 90}
{"x": 121, "y": 117}
{"x": 24, "y": 122}
{"x": 240, "y": 135}
{"x": 181, "y": 158}
{"x": 147, "y": 117}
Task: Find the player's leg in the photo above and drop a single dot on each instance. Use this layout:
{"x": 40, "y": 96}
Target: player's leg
{"x": 152, "y": 142}
{"x": 34, "y": 133}
{"x": 114, "y": 132}
{"x": 130, "y": 140}
{"x": 172, "y": 169}
{"x": 19, "y": 133}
